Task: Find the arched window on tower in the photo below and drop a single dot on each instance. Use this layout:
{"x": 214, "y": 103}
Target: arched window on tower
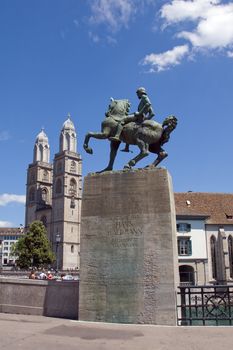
{"x": 72, "y": 202}
{"x": 67, "y": 141}
{"x": 73, "y": 186}
{"x": 230, "y": 254}
{"x": 213, "y": 248}
{"x": 40, "y": 153}
{"x": 72, "y": 249}
{"x": 32, "y": 194}
{"x": 44, "y": 195}
{"x": 58, "y": 187}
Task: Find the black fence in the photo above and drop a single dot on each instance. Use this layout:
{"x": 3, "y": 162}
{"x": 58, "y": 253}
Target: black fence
{"x": 205, "y": 305}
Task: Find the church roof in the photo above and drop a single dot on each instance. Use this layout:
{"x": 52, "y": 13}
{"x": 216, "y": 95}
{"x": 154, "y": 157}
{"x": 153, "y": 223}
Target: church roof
{"x": 42, "y": 137}
{"x": 68, "y": 124}
{"x": 217, "y": 208}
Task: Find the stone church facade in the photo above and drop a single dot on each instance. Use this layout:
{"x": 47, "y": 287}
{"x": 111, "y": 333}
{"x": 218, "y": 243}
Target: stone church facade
{"x": 53, "y": 194}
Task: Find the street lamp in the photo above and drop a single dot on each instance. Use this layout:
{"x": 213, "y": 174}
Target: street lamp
{"x": 58, "y": 240}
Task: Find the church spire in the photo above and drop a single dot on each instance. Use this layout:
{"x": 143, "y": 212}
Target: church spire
{"x": 68, "y": 138}
{"x": 41, "y": 148}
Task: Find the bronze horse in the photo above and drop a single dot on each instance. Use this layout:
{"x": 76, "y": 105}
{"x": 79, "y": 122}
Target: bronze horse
{"x": 149, "y": 135}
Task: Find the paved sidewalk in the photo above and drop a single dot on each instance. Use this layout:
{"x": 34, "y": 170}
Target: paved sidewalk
{"x": 43, "y": 333}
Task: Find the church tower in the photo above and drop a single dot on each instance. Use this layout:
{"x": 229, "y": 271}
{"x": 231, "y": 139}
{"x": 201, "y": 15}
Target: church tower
{"x": 66, "y": 200}
{"x": 39, "y": 184}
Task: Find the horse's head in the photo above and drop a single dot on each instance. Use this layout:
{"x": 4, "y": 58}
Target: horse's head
{"x": 170, "y": 121}
{"x": 119, "y": 107}
{"x": 169, "y": 124}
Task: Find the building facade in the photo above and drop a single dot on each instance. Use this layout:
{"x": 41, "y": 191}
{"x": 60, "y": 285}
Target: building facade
{"x": 205, "y": 237}
{"x": 53, "y": 194}
{"x": 8, "y": 237}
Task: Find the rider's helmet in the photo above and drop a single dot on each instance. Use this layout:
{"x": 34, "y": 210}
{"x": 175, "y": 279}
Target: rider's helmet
{"x": 141, "y": 90}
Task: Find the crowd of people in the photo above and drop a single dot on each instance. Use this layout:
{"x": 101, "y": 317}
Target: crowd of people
{"x": 51, "y": 275}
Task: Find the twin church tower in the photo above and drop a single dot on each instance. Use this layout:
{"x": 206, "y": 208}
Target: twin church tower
{"x": 53, "y": 194}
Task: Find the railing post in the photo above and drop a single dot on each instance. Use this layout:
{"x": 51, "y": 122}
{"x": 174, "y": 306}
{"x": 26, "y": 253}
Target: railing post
{"x": 183, "y": 306}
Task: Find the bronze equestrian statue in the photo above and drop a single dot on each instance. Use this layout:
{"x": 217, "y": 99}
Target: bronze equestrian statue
{"x": 136, "y": 129}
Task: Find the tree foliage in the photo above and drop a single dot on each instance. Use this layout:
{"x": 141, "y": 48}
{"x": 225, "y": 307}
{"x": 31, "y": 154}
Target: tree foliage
{"x": 33, "y": 249}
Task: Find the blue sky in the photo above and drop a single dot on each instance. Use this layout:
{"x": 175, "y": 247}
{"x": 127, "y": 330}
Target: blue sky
{"x": 71, "y": 56}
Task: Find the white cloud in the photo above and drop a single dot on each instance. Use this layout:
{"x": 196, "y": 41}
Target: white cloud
{"x": 4, "y": 135}
{"x": 6, "y": 224}
{"x": 7, "y": 198}
{"x": 215, "y": 30}
{"x": 214, "y": 22}
{"x": 114, "y": 13}
{"x": 165, "y": 60}
{"x": 180, "y": 10}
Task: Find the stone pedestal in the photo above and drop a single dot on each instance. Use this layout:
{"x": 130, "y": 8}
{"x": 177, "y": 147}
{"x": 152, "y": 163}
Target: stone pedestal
{"x": 128, "y": 248}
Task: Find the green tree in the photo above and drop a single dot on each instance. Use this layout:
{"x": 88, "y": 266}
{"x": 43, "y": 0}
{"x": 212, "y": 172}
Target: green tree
{"x": 33, "y": 249}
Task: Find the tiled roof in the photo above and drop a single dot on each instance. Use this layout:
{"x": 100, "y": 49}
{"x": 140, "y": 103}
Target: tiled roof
{"x": 10, "y": 231}
{"x": 217, "y": 207}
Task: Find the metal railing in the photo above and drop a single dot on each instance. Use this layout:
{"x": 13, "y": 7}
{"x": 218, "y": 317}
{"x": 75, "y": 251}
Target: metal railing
{"x": 205, "y": 305}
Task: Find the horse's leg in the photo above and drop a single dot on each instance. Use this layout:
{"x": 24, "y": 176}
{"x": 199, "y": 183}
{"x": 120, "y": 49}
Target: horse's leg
{"x": 95, "y": 135}
{"x": 144, "y": 151}
{"x": 114, "y": 148}
{"x": 161, "y": 156}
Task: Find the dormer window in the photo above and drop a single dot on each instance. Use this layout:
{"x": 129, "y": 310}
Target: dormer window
{"x": 183, "y": 227}
{"x": 229, "y": 216}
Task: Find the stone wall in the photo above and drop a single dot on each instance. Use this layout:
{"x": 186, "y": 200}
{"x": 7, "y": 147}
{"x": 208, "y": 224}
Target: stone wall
{"x": 35, "y": 297}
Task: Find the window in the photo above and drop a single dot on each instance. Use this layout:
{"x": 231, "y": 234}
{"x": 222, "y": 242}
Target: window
{"x": 183, "y": 227}
{"x": 41, "y": 153}
{"x": 213, "y": 248}
{"x": 184, "y": 246}
{"x": 72, "y": 248}
{"x": 73, "y": 167}
{"x": 186, "y": 275}
{"x": 72, "y": 203}
{"x": 67, "y": 141}
{"x": 73, "y": 186}
{"x": 230, "y": 254}
{"x": 44, "y": 195}
{"x": 58, "y": 186}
